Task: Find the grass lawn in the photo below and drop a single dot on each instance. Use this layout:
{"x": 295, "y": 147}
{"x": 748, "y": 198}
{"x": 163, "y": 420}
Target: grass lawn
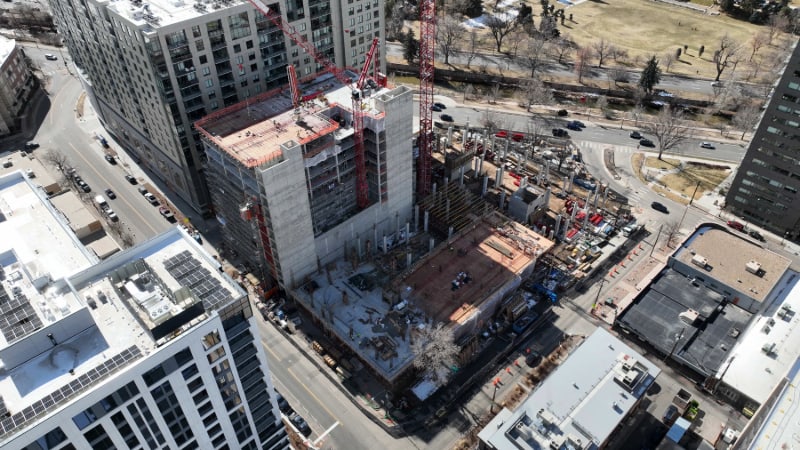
{"x": 667, "y": 163}
{"x": 685, "y": 181}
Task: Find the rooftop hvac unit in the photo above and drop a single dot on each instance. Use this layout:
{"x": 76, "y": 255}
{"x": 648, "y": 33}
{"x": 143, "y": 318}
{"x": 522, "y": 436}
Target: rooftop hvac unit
{"x": 700, "y": 261}
{"x": 769, "y": 348}
{"x": 557, "y": 442}
{"x": 753, "y": 267}
{"x": 524, "y": 431}
{"x": 574, "y": 441}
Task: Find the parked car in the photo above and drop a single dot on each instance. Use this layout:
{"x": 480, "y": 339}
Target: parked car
{"x": 112, "y": 216}
{"x": 579, "y": 123}
{"x": 646, "y": 143}
{"x": 671, "y": 415}
{"x": 50, "y": 57}
{"x": 110, "y": 159}
{"x": 756, "y": 235}
{"x": 31, "y": 145}
{"x": 283, "y": 405}
{"x": 502, "y": 134}
{"x": 573, "y": 126}
{"x": 151, "y": 198}
{"x": 707, "y": 145}
{"x": 166, "y": 213}
{"x": 301, "y": 424}
{"x": 131, "y": 179}
{"x": 562, "y": 113}
{"x": 446, "y": 117}
{"x": 110, "y": 194}
{"x": 440, "y": 105}
{"x": 738, "y": 226}
{"x": 659, "y": 207}
{"x": 560, "y": 132}
{"x": 636, "y": 135}
{"x": 82, "y": 184}
{"x": 142, "y": 190}
{"x": 435, "y": 108}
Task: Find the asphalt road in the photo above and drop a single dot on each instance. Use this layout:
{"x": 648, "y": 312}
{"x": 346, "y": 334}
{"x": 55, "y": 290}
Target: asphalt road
{"x": 62, "y": 131}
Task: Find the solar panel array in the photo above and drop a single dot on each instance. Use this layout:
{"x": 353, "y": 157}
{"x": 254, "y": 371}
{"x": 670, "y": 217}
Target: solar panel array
{"x": 17, "y": 317}
{"x": 75, "y": 387}
{"x": 189, "y": 272}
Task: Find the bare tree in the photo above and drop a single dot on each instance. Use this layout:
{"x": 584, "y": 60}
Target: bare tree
{"x": 582, "y": 62}
{"x": 669, "y": 129}
{"x": 435, "y": 352}
{"x": 618, "y": 54}
{"x": 449, "y": 36}
{"x": 394, "y": 26}
{"x": 561, "y": 48}
{"x": 492, "y": 121}
{"x": 601, "y": 49}
{"x": 747, "y": 118}
{"x": 58, "y": 160}
{"x": 618, "y": 75}
{"x": 472, "y": 48}
{"x": 601, "y": 103}
{"x": 775, "y": 25}
{"x": 671, "y": 232}
{"x": 725, "y": 55}
{"x": 667, "y": 60}
{"x": 759, "y": 40}
{"x": 637, "y": 113}
{"x": 500, "y": 25}
{"x": 534, "y": 92}
{"x": 535, "y": 49}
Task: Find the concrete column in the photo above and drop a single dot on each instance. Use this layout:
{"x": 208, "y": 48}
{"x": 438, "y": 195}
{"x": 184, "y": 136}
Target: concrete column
{"x": 523, "y": 182}
{"x": 564, "y": 183}
{"x": 449, "y": 234}
{"x": 605, "y": 195}
{"x": 408, "y": 260}
{"x": 547, "y": 198}
{"x": 461, "y": 177}
{"x": 596, "y": 197}
{"x": 464, "y": 136}
{"x": 571, "y": 179}
{"x": 497, "y": 174}
{"x": 433, "y": 189}
{"x": 447, "y": 210}
{"x": 430, "y": 245}
{"x": 485, "y": 185}
{"x": 475, "y": 163}
{"x": 483, "y": 158}
{"x": 445, "y": 184}
{"x": 551, "y": 235}
{"x": 586, "y": 215}
{"x": 450, "y": 135}
{"x": 557, "y": 226}
{"x": 385, "y": 245}
{"x": 425, "y": 224}
{"x": 416, "y": 218}
{"x": 502, "y": 200}
{"x": 375, "y": 235}
{"x": 574, "y": 211}
{"x": 408, "y": 234}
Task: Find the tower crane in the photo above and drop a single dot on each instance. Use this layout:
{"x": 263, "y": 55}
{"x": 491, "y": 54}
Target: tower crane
{"x": 427, "y": 50}
{"x": 362, "y": 191}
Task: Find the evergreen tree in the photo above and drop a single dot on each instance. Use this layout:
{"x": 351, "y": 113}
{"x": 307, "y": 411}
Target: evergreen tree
{"x": 410, "y": 47}
{"x": 651, "y": 75}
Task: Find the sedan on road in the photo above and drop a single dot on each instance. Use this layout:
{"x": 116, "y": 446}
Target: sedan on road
{"x": 446, "y": 117}
{"x": 574, "y": 126}
{"x": 166, "y": 213}
{"x": 110, "y": 194}
{"x": 50, "y": 57}
{"x": 440, "y": 105}
{"x": 435, "y": 108}
{"x": 707, "y": 145}
{"x": 738, "y": 226}
{"x": 646, "y": 143}
{"x": 131, "y": 179}
{"x": 636, "y": 135}
{"x": 110, "y": 159}
{"x": 659, "y": 207}
{"x": 560, "y": 132}
{"x": 756, "y": 235}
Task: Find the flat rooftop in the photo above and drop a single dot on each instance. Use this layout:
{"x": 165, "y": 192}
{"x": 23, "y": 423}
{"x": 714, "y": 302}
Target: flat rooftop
{"x": 253, "y": 131}
{"x": 666, "y": 312}
{"x": 42, "y": 241}
{"x": 450, "y": 284}
{"x": 98, "y": 321}
{"x": 728, "y": 254}
{"x": 583, "y": 400}
{"x": 768, "y": 350}
{"x": 160, "y": 13}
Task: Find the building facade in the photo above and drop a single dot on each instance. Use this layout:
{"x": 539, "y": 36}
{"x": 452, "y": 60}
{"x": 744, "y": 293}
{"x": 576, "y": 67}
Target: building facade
{"x": 16, "y": 84}
{"x": 153, "y": 68}
{"x": 765, "y": 190}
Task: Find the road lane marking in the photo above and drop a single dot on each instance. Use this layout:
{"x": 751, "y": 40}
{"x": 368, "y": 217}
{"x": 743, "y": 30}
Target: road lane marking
{"x": 134, "y": 209}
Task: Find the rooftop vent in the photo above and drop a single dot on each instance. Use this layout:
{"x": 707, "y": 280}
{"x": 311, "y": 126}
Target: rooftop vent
{"x": 753, "y": 267}
{"x": 688, "y": 317}
{"x": 700, "y": 261}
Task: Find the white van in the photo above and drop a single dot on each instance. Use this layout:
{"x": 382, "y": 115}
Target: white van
{"x": 101, "y": 202}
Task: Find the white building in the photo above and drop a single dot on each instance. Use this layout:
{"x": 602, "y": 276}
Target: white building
{"x": 16, "y": 84}
{"x": 152, "y": 348}
{"x": 580, "y": 404}
{"x": 153, "y": 68}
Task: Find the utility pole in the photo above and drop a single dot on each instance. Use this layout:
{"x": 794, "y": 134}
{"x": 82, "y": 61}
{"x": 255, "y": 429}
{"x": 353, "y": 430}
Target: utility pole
{"x": 597, "y": 298}
{"x": 656, "y": 241}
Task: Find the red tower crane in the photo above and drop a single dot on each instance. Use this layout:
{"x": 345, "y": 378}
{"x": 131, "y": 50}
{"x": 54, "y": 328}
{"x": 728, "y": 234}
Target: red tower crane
{"x": 427, "y": 43}
{"x": 293, "y": 85}
{"x": 362, "y": 190}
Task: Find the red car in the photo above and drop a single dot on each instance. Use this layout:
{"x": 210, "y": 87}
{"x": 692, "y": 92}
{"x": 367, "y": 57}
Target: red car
{"x": 736, "y": 225}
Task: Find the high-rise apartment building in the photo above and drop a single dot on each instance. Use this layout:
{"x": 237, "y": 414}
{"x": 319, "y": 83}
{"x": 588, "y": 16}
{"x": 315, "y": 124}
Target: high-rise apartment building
{"x": 153, "y": 348}
{"x": 284, "y": 179}
{"x": 16, "y": 84}
{"x": 765, "y": 190}
{"x": 153, "y": 68}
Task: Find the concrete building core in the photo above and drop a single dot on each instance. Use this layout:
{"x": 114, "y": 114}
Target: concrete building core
{"x": 460, "y": 284}
{"x": 283, "y": 180}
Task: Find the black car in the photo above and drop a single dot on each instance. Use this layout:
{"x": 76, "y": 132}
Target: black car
{"x": 636, "y": 135}
{"x": 131, "y": 179}
{"x": 31, "y": 145}
{"x": 301, "y": 424}
{"x": 110, "y": 159}
{"x": 435, "y": 108}
{"x": 110, "y": 194}
{"x": 756, "y": 235}
{"x": 659, "y": 207}
{"x": 574, "y": 126}
{"x": 446, "y": 117}
{"x": 579, "y": 123}
{"x": 84, "y": 187}
{"x": 560, "y": 132}
{"x": 283, "y": 405}
{"x": 646, "y": 143}
{"x": 440, "y": 105}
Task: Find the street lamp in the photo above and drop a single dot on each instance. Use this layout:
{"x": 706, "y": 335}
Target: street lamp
{"x": 491, "y": 408}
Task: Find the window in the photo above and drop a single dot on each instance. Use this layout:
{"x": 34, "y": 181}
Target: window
{"x": 199, "y": 44}
{"x": 248, "y": 44}
{"x": 203, "y": 59}
{"x": 211, "y": 339}
{"x": 196, "y": 31}
{"x": 209, "y": 83}
{"x": 206, "y": 71}
{"x": 237, "y": 48}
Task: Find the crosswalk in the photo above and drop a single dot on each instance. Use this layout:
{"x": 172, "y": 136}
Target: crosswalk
{"x": 592, "y": 146}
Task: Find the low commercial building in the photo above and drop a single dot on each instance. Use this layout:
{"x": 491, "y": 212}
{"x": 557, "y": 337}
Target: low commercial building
{"x": 17, "y": 83}
{"x": 581, "y": 404}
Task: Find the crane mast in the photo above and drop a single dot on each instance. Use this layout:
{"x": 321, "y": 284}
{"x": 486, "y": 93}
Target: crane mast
{"x": 427, "y": 42}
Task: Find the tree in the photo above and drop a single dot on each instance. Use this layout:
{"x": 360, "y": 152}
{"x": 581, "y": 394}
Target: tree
{"x": 501, "y": 25}
{"x": 725, "y": 55}
{"x": 617, "y": 53}
{"x": 534, "y": 50}
{"x": 651, "y": 75}
{"x": 669, "y": 129}
{"x": 747, "y": 118}
{"x": 561, "y": 49}
{"x": 435, "y": 352}
{"x": 58, "y": 160}
{"x": 601, "y": 103}
{"x": 636, "y": 114}
{"x": 394, "y": 23}
{"x": 449, "y": 35}
{"x": 472, "y": 49}
{"x": 534, "y": 92}
{"x": 758, "y": 41}
{"x": 618, "y": 75}
{"x": 775, "y": 25}
{"x": 582, "y": 62}
{"x": 410, "y": 47}
{"x": 701, "y": 50}
{"x": 548, "y": 27}
{"x": 668, "y": 59}
{"x": 727, "y": 6}
{"x": 601, "y": 49}
{"x": 671, "y": 232}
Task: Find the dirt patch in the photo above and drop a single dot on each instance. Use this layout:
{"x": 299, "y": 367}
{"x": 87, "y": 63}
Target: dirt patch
{"x": 636, "y": 163}
{"x": 669, "y": 194}
{"x": 686, "y": 181}
{"x": 667, "y": 163}
{"x": 79, "y": 104}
